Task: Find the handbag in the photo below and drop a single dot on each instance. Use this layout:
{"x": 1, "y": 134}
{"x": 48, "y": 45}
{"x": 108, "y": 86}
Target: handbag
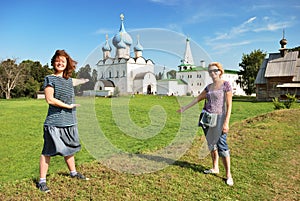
{"x": 208, "y": 119}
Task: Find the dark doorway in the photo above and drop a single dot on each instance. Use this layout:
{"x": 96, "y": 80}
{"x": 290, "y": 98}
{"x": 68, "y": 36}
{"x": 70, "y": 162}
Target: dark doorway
{"x": 149, "y": 89}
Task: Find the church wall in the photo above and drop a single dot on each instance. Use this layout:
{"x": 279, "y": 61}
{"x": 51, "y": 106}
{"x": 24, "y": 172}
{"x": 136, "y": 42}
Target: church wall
{"x": 177, "y": 89}
{"x": 121, "y": 83}
{"x": 132, "y": 71}
{"x": 197, "y": 80}
{"x": 138, "y": 87}
{"x": 236, "y": 88}
{"x": 171, "y": 87}
{"x": 141, "y": 85}
{"x": 150, "y": 79}
{"x": 163, "y": 87}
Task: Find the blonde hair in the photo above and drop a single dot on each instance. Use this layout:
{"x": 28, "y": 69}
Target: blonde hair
{"x": 218, "y": 65}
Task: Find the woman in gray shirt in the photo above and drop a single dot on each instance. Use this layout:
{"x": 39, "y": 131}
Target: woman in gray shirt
{"x": 60, "y": 127}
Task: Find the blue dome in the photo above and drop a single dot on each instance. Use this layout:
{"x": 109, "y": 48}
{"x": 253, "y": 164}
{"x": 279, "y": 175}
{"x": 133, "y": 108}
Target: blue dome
{"x": 121, "y": 44}
{"x": 138, "y": 46}
{"x": 125, "y": 36}
{"x": 106, "y": 46}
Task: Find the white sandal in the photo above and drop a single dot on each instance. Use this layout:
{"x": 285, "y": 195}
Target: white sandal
{"x": 229, "y": 181}
{"x": 210, "y": 171}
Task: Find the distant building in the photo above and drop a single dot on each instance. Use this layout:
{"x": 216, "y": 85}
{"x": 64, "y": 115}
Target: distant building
{"x": 279, "y": 74}
{"x": 197, "y": 78}
{"x": 129, "y": 74}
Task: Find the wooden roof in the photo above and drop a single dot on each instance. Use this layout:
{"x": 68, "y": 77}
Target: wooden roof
{"x": 260, "y": 78}
{"x": 278, "y": 66}
{"x": 282, "y": 66}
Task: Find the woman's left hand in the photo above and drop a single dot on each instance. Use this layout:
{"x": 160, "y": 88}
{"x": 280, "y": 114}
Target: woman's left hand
{"x": 225, "y": 128}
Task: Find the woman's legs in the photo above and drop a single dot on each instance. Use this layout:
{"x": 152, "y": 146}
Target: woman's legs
{"x": 70, "y": 160}
{"x": 226, "y": 163}
{"x": 215, "y": 161}
{"x": 224, "y": 153}
{"x": 44, "y": 165}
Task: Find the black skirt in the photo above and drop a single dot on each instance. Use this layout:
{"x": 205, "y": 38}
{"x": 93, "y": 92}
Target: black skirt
{"x": 62, "y": 141}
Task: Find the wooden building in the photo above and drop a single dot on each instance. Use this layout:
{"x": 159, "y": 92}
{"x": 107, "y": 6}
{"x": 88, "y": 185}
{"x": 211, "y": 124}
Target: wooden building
{"x": 279, "y": 74}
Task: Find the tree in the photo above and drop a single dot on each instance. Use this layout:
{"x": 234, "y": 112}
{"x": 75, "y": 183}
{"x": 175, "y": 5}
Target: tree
{"x": 172, "y": 74}
{"x": 158, "y": 76}
{"x": 34, "y": 79}
{"x": 250, "y": 66}
{"x": 34, "y": 75}
{"x": 85, "y": 72}
{"x": 11, "y": 75}
{"x": 295, "y": 48}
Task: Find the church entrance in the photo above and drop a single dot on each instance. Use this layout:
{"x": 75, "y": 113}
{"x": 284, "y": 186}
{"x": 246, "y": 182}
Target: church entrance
{"x": 149, "y": 89}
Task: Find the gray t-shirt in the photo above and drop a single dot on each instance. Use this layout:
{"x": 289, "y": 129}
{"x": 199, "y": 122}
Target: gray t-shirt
{"x": 64, "y": 91}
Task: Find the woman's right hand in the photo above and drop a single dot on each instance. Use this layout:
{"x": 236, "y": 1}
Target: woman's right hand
{"x": 74, "y": 105}
{"x": 181, "y": 110}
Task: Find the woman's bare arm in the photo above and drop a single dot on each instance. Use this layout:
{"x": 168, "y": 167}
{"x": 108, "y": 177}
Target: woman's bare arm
{"x": 199, "y": 98}
{"x": 49, "y": 96}
{"x": 77, "y": 82}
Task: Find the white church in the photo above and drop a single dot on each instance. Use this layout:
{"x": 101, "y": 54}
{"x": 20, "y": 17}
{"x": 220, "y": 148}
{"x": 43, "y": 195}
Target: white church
{"x": 122, "y": 72}
{"x": 125, "y": 74}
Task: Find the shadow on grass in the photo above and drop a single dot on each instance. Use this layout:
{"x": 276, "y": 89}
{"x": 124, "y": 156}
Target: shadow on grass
{"x": 182, "y": 164}
{"x": 159, "y": 160}
{"x": 196, "y": 168}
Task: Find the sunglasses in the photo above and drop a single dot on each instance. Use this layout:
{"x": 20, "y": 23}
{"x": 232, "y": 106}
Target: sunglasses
{"x": 214, "y": 70}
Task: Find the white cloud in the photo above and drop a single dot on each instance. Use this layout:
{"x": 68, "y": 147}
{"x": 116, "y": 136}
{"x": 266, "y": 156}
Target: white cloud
{"x": 104, "y": 31}
{"x": 273, "y": 26}
{"x": 250, "y": 20}
{"x": 244, "y": 27}
{"x": 222, "y": 49}
{"x": 226, "y": 46}
{"x": 253, "y": 24}
{"x": 235, "y": 31}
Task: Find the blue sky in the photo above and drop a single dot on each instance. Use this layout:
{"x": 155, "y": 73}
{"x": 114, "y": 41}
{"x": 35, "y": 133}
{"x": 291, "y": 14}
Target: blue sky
{"x": 221, "y": 30}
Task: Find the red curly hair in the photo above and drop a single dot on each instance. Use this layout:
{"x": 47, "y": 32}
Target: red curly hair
{"x": 71, "y": 64}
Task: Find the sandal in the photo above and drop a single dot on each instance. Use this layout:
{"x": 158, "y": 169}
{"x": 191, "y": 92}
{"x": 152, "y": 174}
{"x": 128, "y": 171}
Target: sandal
{"x": 210, "y": 171}
{"x": 229, "y": 181}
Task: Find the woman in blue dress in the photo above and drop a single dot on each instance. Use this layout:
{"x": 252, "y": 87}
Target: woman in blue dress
{"x": 60, "y": 127}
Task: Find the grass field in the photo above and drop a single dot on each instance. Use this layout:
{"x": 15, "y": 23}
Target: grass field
{"x": 263, "y": 146}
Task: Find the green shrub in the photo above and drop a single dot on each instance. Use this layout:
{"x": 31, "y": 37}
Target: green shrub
{"x": 277, "y": 104}
{"x": 291, "y": 99}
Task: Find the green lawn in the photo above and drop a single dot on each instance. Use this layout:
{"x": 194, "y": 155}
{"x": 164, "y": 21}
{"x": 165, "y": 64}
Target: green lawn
{"x": 263, "y": 145}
